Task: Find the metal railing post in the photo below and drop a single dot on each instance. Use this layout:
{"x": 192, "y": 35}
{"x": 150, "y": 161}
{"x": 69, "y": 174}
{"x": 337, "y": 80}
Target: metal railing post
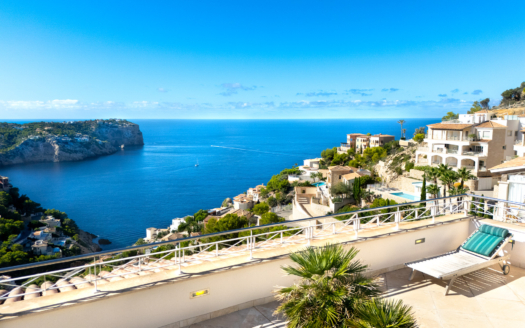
{"x": 333, "y": 229}
{"x": 308, "y": 234}
{"x": 250, "y": 241}
{"x": 357, "y": 222}
{"x": 433, "y": 211}
{"x": 180, "y": 259}
{"x": 397, "y": 218}
{"x": 281, "y": 237}
{"x": 96, "y": 276}
{"x": 217, "y": 249}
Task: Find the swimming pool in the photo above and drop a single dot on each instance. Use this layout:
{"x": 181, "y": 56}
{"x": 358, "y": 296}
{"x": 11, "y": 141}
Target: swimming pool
{"x": 317, "y": 184}
{"x": 403, "y": 195}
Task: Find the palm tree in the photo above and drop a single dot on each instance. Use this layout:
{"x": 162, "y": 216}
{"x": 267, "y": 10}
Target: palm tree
{"x": 313, "y": 175}
{"x": 380, "y": 313}
{"x": 433, "y": 190}
{"x": 446, "y": 179}
{"x": 368, "y": 195}
{"x": 433, "y": 174}
{"x": 442, "y": 168}
{"x": 401, "y": 122}
{"x": 331, "y": 285}
{"x": 464, "y": 174}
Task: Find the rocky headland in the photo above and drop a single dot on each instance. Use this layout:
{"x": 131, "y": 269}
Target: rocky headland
{"x": 68, "y": 141}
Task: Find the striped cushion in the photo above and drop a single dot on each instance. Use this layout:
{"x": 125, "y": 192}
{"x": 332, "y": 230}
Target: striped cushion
{"x": 482, "y": 243}
{"x": 495, "y": 231}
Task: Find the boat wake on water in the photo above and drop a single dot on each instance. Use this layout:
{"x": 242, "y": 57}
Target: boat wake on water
{"x": 255, "y": 150}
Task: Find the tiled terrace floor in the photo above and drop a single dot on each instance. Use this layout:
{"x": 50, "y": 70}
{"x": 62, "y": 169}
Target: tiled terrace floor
{"x": 260, "y": 316}
{"x": 484, "y": 298}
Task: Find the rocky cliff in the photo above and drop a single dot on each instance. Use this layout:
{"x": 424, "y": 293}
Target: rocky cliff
{"x": 390, "y": 167}
{"x": 105, "y": 139}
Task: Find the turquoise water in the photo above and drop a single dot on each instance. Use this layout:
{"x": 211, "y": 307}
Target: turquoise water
{"x": 403, "y": 195}
{"x": 119, "y": 196}
{"x": 319, "y": 184}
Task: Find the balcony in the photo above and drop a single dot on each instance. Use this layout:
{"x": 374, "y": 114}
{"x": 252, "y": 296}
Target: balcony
{"x": 104, "y": 286}
{"x": 452, "y": 151}
{"x": 474, "y": 153}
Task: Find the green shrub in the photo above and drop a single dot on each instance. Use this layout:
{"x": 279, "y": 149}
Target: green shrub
{"x": 409, "y": 166}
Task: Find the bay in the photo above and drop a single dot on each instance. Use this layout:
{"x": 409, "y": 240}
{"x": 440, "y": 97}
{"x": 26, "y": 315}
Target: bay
{"x": 118, "y": 196}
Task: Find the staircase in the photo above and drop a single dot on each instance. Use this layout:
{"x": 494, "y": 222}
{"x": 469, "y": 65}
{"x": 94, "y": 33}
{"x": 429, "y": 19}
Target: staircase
{"x": 302, "y": 200}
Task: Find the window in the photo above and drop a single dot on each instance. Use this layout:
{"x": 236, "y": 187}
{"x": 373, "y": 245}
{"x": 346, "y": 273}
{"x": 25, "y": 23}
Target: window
{"x": 509, "y": 133}
{"x": 478, "y": 149}
{"x": 486, "y": 134}
{"x": 516, "y": 133}
{"x": 504, "y": 147}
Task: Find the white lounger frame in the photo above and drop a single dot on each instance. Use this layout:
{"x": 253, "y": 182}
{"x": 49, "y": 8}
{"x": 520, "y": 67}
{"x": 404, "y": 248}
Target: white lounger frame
{"x": 451, "y": 265}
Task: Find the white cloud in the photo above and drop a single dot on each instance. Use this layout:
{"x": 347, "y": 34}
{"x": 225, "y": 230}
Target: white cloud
{"x": 38, "y": 104}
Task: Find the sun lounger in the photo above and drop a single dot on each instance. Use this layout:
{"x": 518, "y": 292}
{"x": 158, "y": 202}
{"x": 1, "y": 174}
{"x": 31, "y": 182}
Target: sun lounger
{"x": 482, "y": 249}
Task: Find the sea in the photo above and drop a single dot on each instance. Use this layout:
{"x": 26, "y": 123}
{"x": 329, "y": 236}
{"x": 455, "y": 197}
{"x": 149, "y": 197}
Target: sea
{"x": 121, "y": 195}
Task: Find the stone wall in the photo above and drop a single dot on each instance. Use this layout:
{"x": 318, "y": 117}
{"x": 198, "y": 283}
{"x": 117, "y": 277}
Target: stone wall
{"x": 403, "y": 183}
{"x": 416, "y": 174}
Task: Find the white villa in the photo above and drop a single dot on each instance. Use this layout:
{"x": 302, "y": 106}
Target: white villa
{"x": 317, "y": 200}
{"x": 468, "y": 141}
{"x": 243, "y": 202}
{"x": 175, "y": 223}
{"x": 312, "y": 163}
{"x": 255, "y": 193}
{"x": 40, "y": 235}
{"x": 50, "y": 221}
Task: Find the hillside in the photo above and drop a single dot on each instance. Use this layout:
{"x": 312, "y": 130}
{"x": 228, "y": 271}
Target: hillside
{"x": 394, "y": 165}
{"x": 67, "y": 141}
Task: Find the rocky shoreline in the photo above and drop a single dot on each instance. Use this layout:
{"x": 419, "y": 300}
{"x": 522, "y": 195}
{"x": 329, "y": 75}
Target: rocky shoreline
{"x": 50, "y": 148}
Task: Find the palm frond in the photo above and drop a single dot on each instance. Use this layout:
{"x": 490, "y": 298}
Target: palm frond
{"x": 380, "y": 313}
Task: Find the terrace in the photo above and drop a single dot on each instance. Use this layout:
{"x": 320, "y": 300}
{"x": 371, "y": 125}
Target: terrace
{"x": 204, "y": 283}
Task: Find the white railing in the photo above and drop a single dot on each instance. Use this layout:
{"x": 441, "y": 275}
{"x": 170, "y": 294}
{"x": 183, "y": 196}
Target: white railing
{"x": 452, "y": 151}
{"x": 473, "y": 153}
{"x": 111, "y": 266}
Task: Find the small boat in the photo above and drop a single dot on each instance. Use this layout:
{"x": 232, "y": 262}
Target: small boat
{"x": 197, "y": 163}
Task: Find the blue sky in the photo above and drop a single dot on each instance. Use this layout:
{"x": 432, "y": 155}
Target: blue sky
{"x": 267, "y": 59}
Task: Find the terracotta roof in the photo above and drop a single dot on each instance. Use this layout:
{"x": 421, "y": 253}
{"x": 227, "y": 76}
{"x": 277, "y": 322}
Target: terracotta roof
{"x": 351, "y": 176}
{"x": 482, "y": 111}
{"x": 512, "y": 164}
{"x": 383, "y": 135}
{"x": 363, "y": 136}
{"x": 340, "y": 168}
{"x": 490, "y": 124}
{"x": 445, "y": 126}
